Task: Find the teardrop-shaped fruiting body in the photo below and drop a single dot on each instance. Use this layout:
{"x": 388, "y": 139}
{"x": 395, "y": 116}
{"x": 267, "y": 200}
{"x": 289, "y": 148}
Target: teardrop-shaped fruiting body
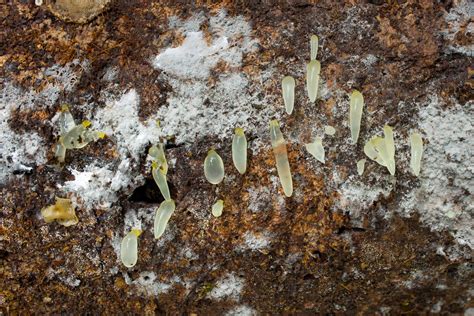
{"x": 129, "y": 248}
{"x": 355, "y": 115}
{"x": 329, "y": 130}
{"x": 390, "y": 149}
{"x": 416, "y": 143}
{"x": 314, "y": 42}
{"x": 361, "y": 166}
{"x": 66, "y": 121}
{"x": 316, "y": 149}
{"x": 281, "y": 158}
{"x": 160, "y": 178}
{"x": 312, "y": 79}
{"x": 213, "y": 167}
{"x": 157, "y": 153}
{"x": 288, "y": 91}
{"x": 239, "y": 150}
{"x": 162, "y": 216}
{"x": 382, "y": 149}
{"x": 217, "y": 208}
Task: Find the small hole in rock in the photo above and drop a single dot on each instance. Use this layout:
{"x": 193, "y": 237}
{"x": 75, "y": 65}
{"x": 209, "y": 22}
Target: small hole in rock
{"x": 149, "y": 193}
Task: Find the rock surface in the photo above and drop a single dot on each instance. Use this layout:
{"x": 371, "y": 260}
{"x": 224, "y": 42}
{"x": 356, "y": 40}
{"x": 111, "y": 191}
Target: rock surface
{"x": 343, "y": 243}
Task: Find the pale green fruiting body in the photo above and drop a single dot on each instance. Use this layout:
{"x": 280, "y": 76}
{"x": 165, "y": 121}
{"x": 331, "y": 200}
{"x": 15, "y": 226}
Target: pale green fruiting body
{"x": 217, "y": 208}
{"x": 162, "y": 216}
{"x": 281, "y": 158}
{"x": 159, "y": 169}
{"x": 239, "y": 150}
{"x": 416, "y": 143}
{"x": 382, "y": 149}
{"x": 361, "y": 166}
{"x": 288, "y": 91}
{"x": 355, "y": 114}
{"x": 129, "y": 248}
{"x": 313, "y": 43}
{"x": 213, "y": 167}
{"x": 316, "y": 149}
{"x": 329, "y": 130}
{"x": 312, "y": 79}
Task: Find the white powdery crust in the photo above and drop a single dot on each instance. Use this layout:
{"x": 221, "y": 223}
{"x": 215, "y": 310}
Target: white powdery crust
{"x": 195, "y": 109}
{"x": 242, "y": 310}
{"x": 228, "y": 287}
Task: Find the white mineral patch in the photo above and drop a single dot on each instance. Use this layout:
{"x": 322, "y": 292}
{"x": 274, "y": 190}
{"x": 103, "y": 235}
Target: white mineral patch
{"x": 147, "y": 283}
{"x": 242, "y": 310}
{"x": 255, "y": 241}
{"x": 228, "y": 287}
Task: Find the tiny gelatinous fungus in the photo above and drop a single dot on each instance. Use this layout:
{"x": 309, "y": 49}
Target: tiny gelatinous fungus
{"x": 217, "y": 208}
{"x": 239, "y": 150}
{"x": 382, "y": 149}
{"x": 288, "y": 91}
{"x": 213, "y": 167}
{"x": 355, "y": 114}
{"x": 314, "y": 42}
{"x": 129, "y": 248}
{"x": 162, "y": 216}
{"x": 312, "y": 79}
{"x": 416, "y": 144}
{"x": 62, "y": 211}
{"x": 361, "y": 166}
{"x": 316, "y": 149}
{"x": 329, "y": 130}
{"x": 159, "y": 169}
{"x": 281, "y": 158}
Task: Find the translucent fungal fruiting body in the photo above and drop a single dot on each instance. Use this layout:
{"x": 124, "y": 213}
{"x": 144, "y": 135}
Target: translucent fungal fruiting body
{"x": 129, "y": 248}
{"x": 314, "y": 41}
{"x": 329, "y": 130}
{"x": 355, "y": 114}
{"x": 62, "y": 211}
{"x": 239, "y": 150}
{"x": 213, "y": 167}
{"x": 281, "y": 158}
{"x": 361, "y": 166}
{"x": 159, "y": 169}
{"x": 217, "y": 208}
{"x": 312, "y": 79}
{"x": 316, "y": 149}
{"x": 288, "y": 91}
{"x": 162, "y": 216}
{"x": 382, "y": 149}
{"x": 416, "y": 143}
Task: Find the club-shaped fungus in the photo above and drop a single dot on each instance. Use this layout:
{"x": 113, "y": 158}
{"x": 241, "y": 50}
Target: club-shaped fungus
{"x": 239, "y": 150}
{"x": 159, "y": 169}
{"x": 312, "y": 79}
{"x": 329, "y": 130}
{"x": 316, "y": 149}
{"x": 314, "y": 40}
{"x": 62, "y": 211}
{"x": 361, "y": 166}
{"x": 129, "y": 248}
{"x": 288, "y": 91}
{"x": 217, "y": 208}
{"x": 281, "y": 157}
{"x": 162, "y": 216}
{"x": 355, "y": 114}
{"x": 416, "y": 143}
{"x": 73, "y": 136}
{"x": 382, "y": 149}
{"x": 213, "y": 167}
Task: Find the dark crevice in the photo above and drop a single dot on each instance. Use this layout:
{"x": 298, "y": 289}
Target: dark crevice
{"x": 149, "y": 193}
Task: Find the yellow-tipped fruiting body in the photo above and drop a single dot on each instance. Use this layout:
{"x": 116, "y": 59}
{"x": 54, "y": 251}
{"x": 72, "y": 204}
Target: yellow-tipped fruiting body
{"x": 162, "y": 216}
{"x": 217, "y": 208}
{"x": 361, "y": 166}
{"x": 355, "y": 114}
{"x": 239, "y": 150}
{"x": 129, "y": 248}
{"x": 316, "y": 149}
{"x": 159, "y": 169}
{"x": 312, "y": 79}
{"x": 416, "y": 143}
{"x": 213, "y": 167}
{"x": 288, "y": 91}
{"x": 62, "y": 211}
{"x": 382, "y": 149}
{"x": 313, "y": 43}
{"x": 281, "y": 158}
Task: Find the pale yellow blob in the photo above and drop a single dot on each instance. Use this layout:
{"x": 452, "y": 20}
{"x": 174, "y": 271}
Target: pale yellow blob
{"x": 314, "y": 41}
{"x": 239, "y": 150}
{"x": 162, "y": 216}
{"x": 217, "y": 208}
{"x": 361, "y": 166}
{"x": 316, "y": 149}
{"x": 355, "y": 114}
{"x": 62, "y": 211}
{"x": 329, "y": 130}
{"x": 312, "y": 79}
{"x": 213, "y": 167}
{"x": 416, "y": 143}
{"x": 129, "y": 248}
{"x": 159, "y": 169}
{"x": 288, "y": 91}
{"x": 382, "y": 149}
{"x": 281, "y": 158}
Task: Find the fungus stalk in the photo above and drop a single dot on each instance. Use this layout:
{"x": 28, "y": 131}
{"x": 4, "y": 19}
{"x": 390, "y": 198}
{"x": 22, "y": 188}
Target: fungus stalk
{"x": 239, "y": 150}
{"x": 162, "y": 216}
{"x": 281, "y": 158}
{"x": 355, "y": 114}
{"x": 416, "y": 143}
{"x": 62, "y": 211}
{"x": 313, "y": 43}
{"x": 213, "y": 167}
{"x": 361, "y": 166}
{"x": 382, "y": 149}
{"x": 288, "y": 91}
{"x": 217, "y": 208}
{"x": 129, "y": 248}
{"x": 312, "y": 79}
{"x": 316, "y": 149}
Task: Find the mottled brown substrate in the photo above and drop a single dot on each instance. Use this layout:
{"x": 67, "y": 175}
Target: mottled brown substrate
{"x": 317, "y": 262}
